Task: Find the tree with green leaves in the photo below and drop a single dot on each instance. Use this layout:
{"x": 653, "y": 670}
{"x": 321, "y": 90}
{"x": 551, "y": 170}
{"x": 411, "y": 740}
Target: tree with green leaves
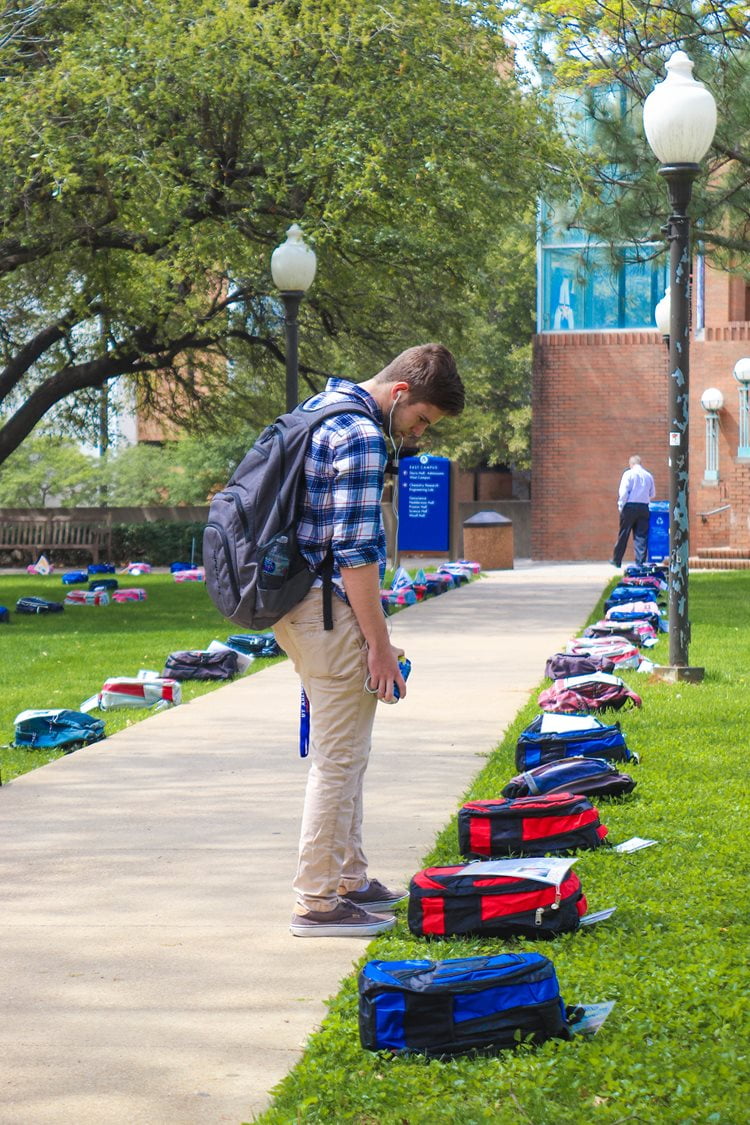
{"x": 602, "y": 60}
{"x": 154, "y": 153}
{"x": 48, "y": 469}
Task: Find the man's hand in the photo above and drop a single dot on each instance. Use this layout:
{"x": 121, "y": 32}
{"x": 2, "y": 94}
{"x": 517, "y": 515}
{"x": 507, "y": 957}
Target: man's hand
{"x": 362, "y": 585}
{"x": 384, "y": 672}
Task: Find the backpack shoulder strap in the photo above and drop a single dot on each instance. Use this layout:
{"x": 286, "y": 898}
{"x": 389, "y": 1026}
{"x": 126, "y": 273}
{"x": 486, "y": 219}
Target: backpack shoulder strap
{"x": 315, "y": 416}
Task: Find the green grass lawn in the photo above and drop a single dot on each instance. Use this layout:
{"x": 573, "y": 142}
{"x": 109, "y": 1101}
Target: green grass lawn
{"x": 59, "y": 660}
{"x": 673, "y": 957}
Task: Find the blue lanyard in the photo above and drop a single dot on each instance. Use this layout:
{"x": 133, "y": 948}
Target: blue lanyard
{"x": 304, "y": 724}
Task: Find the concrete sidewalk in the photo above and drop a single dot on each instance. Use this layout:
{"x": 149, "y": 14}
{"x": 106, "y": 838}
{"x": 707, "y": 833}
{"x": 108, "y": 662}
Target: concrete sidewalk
{"x": 149, "y": 975}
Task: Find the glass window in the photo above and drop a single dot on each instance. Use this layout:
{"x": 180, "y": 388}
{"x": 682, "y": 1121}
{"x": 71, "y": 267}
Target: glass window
{"x": 583, "y": 288}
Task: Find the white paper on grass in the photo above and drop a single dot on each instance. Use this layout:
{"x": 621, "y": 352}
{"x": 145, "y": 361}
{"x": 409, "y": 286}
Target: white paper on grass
{"x": 598, "y": 916}
{"x": 593, "y": 1018}
{"x": 546, "y": 869}
{"x": 634, "y": 844}
{"x": 557, "y": 724}
{"x": 244, "y": 659}
{"x": 600, "y": 677}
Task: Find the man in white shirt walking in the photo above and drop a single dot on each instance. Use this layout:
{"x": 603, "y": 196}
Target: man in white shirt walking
{"x": 636, "y": 490}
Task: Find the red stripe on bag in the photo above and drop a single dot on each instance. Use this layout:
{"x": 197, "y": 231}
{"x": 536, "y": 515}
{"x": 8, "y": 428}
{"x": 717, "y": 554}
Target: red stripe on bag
{"x": 124, "y": 689}
{"x": 480, "y": 839}
{"x": 498, "y": 906}
{"x": 540, "y": 827}
{"x": 433, "y": 916}
{"x": 425, "y": 879}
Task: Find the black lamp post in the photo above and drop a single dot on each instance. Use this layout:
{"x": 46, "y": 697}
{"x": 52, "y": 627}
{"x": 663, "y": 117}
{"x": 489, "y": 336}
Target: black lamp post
{"x": 679, "y": 117}
{"x": 293, "y": 266}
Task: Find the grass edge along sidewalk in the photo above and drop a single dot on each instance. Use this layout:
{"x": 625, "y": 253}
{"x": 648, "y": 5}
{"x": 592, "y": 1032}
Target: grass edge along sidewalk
{"x": 672, "y": 957}
{"x": 59, "y": 660}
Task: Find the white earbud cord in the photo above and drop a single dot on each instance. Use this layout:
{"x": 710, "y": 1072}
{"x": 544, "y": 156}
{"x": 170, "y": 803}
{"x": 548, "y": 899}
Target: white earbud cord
{"x": 396, "y": 455}
{"x": 394, "y": 509}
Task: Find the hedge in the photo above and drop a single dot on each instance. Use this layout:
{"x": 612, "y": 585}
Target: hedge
{"x": 158, "y": 543}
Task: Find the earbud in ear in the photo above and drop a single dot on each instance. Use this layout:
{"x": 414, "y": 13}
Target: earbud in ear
{"x": 398, "y": 396}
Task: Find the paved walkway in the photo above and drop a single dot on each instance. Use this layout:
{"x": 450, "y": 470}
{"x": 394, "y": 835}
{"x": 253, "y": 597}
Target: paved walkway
{"x": 148, "y": 974}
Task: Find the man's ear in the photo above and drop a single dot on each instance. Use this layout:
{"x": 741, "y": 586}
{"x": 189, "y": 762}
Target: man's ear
{"x": 398, "y": 390}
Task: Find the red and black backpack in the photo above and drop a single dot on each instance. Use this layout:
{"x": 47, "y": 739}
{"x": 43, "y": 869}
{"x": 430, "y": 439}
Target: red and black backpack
{"x": 554, "y": 824}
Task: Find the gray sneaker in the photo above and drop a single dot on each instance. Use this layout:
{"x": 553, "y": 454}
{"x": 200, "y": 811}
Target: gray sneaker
{"x": 376, "y": 897}
{"x": 347, "y": 920}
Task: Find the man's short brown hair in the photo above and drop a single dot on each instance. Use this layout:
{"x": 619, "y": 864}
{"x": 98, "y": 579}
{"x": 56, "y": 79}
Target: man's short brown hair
{"x": 430, "y": 370}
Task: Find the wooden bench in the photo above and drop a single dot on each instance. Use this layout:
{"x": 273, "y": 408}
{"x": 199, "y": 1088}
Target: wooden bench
{"x": 34, "y": 537}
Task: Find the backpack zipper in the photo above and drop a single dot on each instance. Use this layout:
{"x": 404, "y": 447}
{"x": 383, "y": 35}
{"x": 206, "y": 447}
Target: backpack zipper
{"x": 240, "y": 512}
{"x": 539, "y": 916}
{"x": 233, "y": 579}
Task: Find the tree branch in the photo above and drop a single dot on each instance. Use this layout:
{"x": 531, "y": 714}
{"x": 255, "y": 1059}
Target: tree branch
{"x": 31, "y": 352}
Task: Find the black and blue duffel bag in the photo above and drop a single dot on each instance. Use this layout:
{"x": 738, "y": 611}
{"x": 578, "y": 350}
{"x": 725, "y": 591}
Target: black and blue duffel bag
{"x": 37, "y": 605}
{"x": 587, "y": 776}
{"x": 103, "y": 584}
{"x": 537, "y": 746}
{"x": 444, "y": 1008}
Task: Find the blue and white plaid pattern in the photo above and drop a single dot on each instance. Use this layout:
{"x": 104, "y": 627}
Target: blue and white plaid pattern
{"x": 344, "y": 480}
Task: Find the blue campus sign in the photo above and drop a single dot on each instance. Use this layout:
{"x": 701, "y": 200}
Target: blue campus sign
{"x": 424, "y": 504}
{"x": 658, "y": 531}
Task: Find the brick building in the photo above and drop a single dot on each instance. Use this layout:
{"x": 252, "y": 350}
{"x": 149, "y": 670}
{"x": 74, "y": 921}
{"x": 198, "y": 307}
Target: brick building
{"x": 601, "y": 395}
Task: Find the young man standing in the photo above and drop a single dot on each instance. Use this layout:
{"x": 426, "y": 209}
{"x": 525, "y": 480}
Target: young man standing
{"x": 346, "y": 670}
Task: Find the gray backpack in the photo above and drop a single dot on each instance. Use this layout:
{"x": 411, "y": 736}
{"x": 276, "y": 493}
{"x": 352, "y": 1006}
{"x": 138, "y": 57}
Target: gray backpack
{"x": 255, "y": 572}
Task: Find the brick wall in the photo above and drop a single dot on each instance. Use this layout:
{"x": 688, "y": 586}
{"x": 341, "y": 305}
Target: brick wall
{"x": 597, "y": 398}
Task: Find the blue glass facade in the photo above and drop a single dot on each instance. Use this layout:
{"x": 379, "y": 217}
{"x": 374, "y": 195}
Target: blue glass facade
{"x": 583, "y": 286}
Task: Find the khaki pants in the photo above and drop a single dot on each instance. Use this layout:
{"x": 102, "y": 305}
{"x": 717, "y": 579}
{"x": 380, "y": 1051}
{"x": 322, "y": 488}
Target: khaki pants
{"x": 333, "y": 669}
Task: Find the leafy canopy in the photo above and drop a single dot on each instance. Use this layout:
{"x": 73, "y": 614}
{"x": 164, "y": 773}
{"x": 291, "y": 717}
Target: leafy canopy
{"x": 609, "y": 56}
{"x": 154, "y": 153}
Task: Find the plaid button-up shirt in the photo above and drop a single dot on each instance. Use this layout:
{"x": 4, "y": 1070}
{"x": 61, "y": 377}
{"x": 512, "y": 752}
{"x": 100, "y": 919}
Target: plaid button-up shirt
{"x": 344, "y": 481}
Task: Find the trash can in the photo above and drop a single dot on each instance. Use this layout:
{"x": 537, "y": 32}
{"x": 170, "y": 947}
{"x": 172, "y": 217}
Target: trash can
{"x": 658, "y": 531}
{"x": 488, "y": 540}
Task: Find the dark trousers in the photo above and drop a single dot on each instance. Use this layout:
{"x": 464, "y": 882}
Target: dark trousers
{"x": 633, "y": 517}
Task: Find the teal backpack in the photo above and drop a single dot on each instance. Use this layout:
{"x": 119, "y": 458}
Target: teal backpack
{"x": 56, "y": 730}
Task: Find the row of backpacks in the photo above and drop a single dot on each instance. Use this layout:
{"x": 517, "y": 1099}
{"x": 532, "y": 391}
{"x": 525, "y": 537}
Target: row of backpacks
{"x": 101, "y": 588}
{"x": 405, "y": 590}
{"x": 68, "y": 730}
{"x": 517, "y": 881}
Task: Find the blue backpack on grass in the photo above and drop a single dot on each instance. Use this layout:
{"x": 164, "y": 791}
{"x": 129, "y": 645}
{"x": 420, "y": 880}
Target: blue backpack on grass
{"x": 459, "y": 1006}
{"x": 592, "y": 739}
{"x": 622, "y": 595}
{"x": 73, "y": 577}
{"x": 56, "y": 730}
